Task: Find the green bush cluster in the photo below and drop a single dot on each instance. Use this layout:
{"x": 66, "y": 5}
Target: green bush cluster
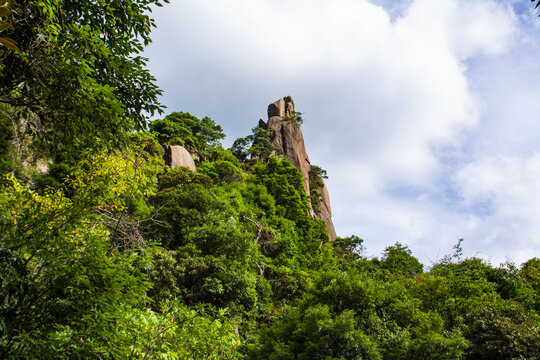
{"x": 198, "y": 136}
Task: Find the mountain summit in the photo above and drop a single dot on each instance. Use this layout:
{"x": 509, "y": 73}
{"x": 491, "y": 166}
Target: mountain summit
{"x": 286, "y": 136}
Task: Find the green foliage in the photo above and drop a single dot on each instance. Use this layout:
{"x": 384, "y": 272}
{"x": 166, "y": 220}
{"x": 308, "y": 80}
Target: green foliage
{"x": 196, "y": 135}
{"x": 185, "y": 209}
{"x": 65, "y": 280}
{"x": 78, "y": 76}
{"x": 55, "y": 177}
{"x": 261, "y": 144}
{"x": 257, "y": 146}
{"x": 212, "y": 256}
{"x": 296, "y": 115}
{"x": 222, "y": 172}
{"x": 349, "y": 248}
{"x": 9, "y": 154}
{"x": 399, "y": 259}
{"x": 6, "y": 8}
{"x": 81, "y": 273}
{"x": 66, "y": 292}
{"x": 258, "y": 196}
{"x": 530, "y": 271}
{"x": 301, "y": 239}
{"x": 316, "y": 184}
{"x": 500, "y": 329}
{"x": 485, "y": 304}
{"x": 351, "y": 315}
{"x": 240, "y": 149}
{"x": 188, "y": 274}
{"x": 178, "y": 332}
{"x": 146, "y": 144}
{"x": 474, "y": 277}
{"x": 112, "y": 255}
{"x": 285, "y": 183}
{"x": 316, "y": 333}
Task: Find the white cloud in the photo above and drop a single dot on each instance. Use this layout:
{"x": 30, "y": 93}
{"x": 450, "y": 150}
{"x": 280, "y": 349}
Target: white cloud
{"x": 500, "y": 196}
{"x": 382, "y": 93}
{"x": 466, "y": 28}
{"x": 511, "y": 184}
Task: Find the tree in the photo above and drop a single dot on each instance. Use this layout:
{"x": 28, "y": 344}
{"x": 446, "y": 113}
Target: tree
{"x": 285, "y": 183}
{"x": 222, "y": 171}
{"x": 501, "y": 330}
{"x": 257, "y": 146}
{"x": 177, "y": 332}
{"x": 316, "y": 333}
{"x": 351, "y": 315}
{"x": 78, "y": 79}
{"x": 530, "y": 270}
{"x": 196, "y": 135}
{"x": 398, "y": 259}
{"x": 63, "y": 285}
{"x": 316, "y": 185}
{"x": 349, "y": 248}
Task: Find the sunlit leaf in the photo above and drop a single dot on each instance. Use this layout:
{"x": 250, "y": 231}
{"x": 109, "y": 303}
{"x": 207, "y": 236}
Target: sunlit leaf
{"x": 9, "y": 43}
{"x": 5, "y": 26}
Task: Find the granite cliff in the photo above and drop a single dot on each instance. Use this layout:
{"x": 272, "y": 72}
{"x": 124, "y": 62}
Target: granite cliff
{"x": 286, "y": 135}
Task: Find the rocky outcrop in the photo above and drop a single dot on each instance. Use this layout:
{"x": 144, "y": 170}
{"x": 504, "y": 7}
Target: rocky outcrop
{"x": 326, "y": 213}
{"x": 283, "y": 108}
{"x": 286, "y": 135}
{"x": 177, "y": 156}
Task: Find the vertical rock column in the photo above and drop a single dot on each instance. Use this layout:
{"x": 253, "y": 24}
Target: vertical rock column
{"x": 286, "y": 135}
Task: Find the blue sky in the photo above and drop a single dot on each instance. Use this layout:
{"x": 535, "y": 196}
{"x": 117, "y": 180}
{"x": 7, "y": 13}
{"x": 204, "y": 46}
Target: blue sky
{"x": 424, "y": 112}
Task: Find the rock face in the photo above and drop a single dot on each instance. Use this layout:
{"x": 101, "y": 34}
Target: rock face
{"x": 177, "y": 156}
{"x": 286, "y": 135}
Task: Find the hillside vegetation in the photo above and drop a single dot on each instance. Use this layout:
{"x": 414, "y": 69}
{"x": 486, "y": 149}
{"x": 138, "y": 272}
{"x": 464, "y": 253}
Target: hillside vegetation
{"x": 108, "y": 253}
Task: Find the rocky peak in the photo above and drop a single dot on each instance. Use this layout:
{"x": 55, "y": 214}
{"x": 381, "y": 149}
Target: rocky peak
{"x": 177, "y": 156}
{"x": 283, "y": 108}
{"x": 286, "y": 135}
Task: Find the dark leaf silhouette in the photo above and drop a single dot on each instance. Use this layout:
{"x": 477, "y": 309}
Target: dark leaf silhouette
{"x": 537, "y": 4}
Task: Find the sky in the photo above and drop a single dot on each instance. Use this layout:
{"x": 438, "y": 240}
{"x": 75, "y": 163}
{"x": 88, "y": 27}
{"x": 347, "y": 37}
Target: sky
{"x": 425, "y": 113}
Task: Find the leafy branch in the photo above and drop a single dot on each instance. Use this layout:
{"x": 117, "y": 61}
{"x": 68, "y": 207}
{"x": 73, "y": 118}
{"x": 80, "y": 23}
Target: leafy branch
{"x": 6, "y": 8}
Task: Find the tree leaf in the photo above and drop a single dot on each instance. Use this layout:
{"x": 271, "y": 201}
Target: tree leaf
{"x": 9, "y": 43}
{"x": 5, "y": 26}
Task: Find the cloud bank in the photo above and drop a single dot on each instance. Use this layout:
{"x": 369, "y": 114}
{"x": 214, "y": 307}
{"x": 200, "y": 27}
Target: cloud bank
{"x": 421, "y": 111}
